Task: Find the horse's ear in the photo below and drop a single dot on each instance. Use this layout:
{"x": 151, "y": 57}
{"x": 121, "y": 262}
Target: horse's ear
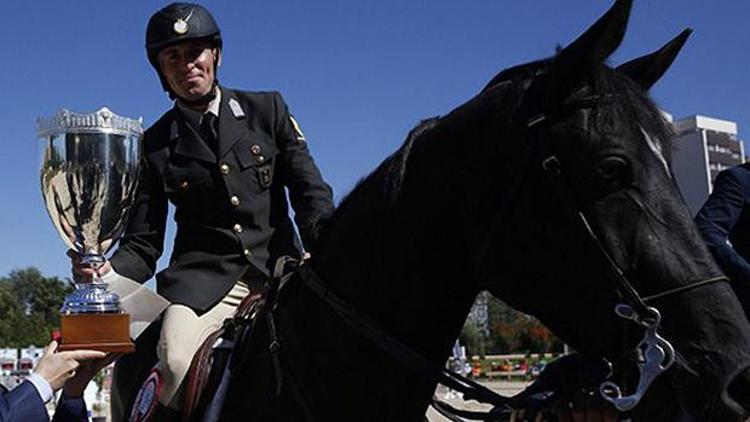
{"x": 648, "y": 69}
{"x": 596, "y": 44}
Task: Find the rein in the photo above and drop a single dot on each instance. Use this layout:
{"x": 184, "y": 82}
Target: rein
{"x": 658, "y": 353}
{"x": 413, "y": 360}
{"x": 396, "y": 349}
{"x": 656, "y": 349}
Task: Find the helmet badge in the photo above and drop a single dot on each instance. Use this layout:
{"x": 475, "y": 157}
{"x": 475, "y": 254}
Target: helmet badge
{"x": 180, "y": 26}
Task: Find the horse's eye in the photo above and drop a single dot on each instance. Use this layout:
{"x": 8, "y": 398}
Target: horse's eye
{"x": 612, "y": 169}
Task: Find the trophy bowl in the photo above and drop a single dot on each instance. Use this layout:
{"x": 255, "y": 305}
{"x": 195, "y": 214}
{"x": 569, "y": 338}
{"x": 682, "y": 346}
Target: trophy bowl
{"x": 89, "y": 176}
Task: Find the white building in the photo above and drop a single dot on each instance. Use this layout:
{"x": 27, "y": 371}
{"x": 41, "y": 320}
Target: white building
{"x": 702, "y": 148}
{"x": 8, "y": 359}
{"x": 31, "y": 354}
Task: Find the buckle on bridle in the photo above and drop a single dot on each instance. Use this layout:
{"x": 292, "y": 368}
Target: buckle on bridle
{"x": 658, "y": 356}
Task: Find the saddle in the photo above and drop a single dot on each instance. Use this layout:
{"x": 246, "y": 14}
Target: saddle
{"x": 215, "y": 352}
{"x": 206, "y": 368}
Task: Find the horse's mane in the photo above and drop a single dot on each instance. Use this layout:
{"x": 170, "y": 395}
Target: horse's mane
{"x": 633, "y": 106}
{"x": 386, "y": 181}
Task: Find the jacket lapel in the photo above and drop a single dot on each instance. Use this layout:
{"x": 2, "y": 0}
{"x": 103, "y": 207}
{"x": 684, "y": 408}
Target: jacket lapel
{"x": 187, "y": 140}
{"x": 231, "y": 121}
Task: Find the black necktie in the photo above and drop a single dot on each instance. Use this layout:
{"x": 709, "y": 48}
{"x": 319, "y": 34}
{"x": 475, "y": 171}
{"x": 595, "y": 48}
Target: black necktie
{"x": 209, "y": 133}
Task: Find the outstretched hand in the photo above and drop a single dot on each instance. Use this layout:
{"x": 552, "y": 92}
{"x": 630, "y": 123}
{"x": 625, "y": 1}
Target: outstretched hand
{"x": 57, "y": 367}
{"x": 86, "y": 371}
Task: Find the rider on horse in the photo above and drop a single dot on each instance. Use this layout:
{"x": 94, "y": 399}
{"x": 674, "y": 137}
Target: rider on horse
{"x": 224, "y": 158}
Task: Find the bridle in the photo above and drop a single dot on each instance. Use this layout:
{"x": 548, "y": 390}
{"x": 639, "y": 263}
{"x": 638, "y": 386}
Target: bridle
{"x": 656, "y": 353}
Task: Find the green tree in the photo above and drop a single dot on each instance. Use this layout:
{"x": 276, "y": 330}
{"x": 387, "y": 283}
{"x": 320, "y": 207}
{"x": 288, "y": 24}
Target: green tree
{"x": 472, "y": 338}
{"x": 11, "y": 317}
{"x": 509, "y": 331}
{"x": 29, "y": 307}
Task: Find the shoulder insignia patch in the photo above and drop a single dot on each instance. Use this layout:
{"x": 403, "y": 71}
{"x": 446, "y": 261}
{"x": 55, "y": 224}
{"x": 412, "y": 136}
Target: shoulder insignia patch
{"x": 236, "y": 109}
{"x": 297, "y": 130}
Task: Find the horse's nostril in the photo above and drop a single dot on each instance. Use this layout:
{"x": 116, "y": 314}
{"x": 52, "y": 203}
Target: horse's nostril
{"x": 739, "y": 390}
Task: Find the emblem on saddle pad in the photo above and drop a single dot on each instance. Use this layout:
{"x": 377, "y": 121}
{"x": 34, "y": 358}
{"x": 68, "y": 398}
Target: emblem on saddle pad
{"x": 147, "y": 397}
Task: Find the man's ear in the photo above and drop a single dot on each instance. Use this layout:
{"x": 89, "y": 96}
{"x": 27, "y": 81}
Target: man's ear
{"x": 217, "y": 53}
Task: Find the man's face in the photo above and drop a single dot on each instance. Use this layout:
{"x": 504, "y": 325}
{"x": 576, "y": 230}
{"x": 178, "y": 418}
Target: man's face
{"x": 189, "y": 67}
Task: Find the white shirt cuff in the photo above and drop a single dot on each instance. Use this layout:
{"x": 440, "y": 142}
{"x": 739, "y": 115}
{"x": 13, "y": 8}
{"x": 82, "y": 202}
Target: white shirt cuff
{"x": 41, "y": 385}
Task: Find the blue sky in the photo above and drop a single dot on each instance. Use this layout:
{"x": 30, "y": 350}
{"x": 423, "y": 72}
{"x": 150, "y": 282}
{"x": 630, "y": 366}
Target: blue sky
{"x": 356, "y": 74}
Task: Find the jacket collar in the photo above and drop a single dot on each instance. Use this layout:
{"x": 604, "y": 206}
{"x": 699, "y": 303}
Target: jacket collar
{"x": 231, "y": 128}
{"x": 187, "y": 141}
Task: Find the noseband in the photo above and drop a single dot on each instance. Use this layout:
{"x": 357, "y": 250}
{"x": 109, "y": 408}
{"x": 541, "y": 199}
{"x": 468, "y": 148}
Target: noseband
{"x": 656, "y": 354}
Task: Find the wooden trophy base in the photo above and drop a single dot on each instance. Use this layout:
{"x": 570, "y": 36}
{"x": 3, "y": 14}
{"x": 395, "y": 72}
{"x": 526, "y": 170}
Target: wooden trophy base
{"x": 103, "y": 332}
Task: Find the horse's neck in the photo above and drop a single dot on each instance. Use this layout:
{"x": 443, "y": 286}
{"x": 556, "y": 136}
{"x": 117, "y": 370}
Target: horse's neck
{"x": 406, "y": 263}
{"x": 414, "y": 291}
{"x": 345, "y": 376}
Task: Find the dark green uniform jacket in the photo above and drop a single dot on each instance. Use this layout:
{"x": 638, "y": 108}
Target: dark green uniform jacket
{"x": 231, "y": 211}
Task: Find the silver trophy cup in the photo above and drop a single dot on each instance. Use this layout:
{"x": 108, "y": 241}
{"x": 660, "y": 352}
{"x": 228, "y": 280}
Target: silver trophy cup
{"x": 89, "y": 175}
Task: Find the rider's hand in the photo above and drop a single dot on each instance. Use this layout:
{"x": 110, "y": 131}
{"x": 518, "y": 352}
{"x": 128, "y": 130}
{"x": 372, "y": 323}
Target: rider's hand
{"x": 86, "y": 371}
{"x": 57, "y": 367}
{"x": 85, "y": 273}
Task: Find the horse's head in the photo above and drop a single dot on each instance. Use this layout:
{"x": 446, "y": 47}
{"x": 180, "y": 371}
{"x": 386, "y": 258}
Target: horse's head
{"x": 590, "y": 209}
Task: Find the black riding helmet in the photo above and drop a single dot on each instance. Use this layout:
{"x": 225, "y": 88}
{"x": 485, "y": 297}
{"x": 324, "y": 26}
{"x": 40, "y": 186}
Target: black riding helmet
{"x": 176, "y": 23}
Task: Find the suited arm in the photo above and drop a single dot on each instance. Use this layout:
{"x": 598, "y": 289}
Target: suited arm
{"x": 23, "y": 403}
{"x": 311, "y": 197}
{"x": 715, "y": 222}
{"x": 143, "y": 241}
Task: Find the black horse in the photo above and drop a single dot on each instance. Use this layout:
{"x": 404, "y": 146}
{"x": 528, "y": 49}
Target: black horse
{"x": 466, "y": 205}
{"x": 493, "y": 197}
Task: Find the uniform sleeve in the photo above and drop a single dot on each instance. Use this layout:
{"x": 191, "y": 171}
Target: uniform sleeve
{"x": 311, "y": 197}
{"x": 716, "y": 220}
{"x": 143, "y": 241}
